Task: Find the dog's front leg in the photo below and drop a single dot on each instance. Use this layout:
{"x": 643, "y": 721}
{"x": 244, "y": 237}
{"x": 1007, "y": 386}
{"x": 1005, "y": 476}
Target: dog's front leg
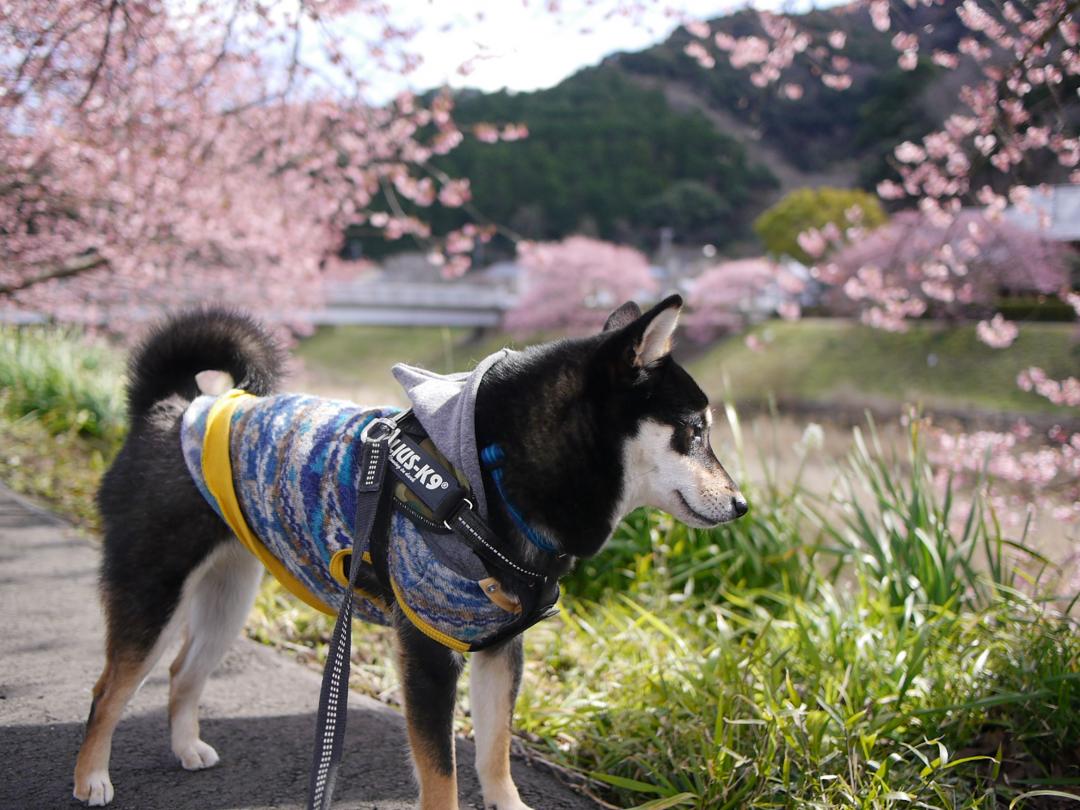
{"x": 429, "y": 673}
{"x": 493, "y": 688}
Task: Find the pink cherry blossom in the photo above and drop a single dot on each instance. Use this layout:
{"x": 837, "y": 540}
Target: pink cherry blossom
{"x": 836, "y": 82}
{"x": 573, "y": 285}
{"x": 698, "y": 28}
{"x": 789, "y": 311}
{"x": 486, "y": 133}
{"x": 879, "y": 14}
{"x": 454, "y": 193}
{"x": 997, "y": 333}
{"x": 812, "y": 241}
{"x": 945, "y": 266}
{"x": 723, "y": 296}
{"x": 698, "y": 52}
{"x": 754, "y": 343}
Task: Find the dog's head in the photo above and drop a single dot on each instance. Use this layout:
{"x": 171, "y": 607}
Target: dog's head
{"x": 668, "y": 460}
{"x": 596, "y": 427}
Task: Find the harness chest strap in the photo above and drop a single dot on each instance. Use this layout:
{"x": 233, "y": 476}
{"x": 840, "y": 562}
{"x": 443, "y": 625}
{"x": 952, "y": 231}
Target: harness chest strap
{"x": 448, "y": 502}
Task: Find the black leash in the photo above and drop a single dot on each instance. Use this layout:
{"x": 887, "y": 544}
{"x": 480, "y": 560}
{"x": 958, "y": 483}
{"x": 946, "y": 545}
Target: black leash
{"x": 392, "y": 444}
{"x": 334, "y": 697}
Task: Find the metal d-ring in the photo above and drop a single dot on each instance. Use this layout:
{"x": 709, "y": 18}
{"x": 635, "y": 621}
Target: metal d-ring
{"x": 388, "y": 424}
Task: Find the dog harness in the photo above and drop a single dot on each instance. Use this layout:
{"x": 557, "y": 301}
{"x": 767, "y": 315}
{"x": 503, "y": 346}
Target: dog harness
{"x": 284, "y": 473}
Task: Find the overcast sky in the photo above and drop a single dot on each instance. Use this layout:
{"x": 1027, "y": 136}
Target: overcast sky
{"x": 523, "y": 46}
{"x": 526, "y": 47}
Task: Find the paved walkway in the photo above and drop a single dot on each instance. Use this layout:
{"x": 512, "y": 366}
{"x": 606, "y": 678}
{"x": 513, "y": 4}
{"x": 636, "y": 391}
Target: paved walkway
{"x": 258, "y": 708}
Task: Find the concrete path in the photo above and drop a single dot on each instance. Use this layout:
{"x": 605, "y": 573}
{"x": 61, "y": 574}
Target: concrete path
{"x": 258, "y": 709}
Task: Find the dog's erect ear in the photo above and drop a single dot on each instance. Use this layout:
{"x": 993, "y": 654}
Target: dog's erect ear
{"x": 647, "y": 338}
{"x": 623, "y": 316}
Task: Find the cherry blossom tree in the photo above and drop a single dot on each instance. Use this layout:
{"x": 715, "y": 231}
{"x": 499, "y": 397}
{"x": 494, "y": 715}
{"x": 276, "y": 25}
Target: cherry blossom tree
{"x": 1018, "y": 65}
{"x": 574, "y": 284}
{"x": 917, "y": 265}
{"x": 722, "y": 299}
{"x": 1024, "y": 58}
{"x": 155, "y": 153}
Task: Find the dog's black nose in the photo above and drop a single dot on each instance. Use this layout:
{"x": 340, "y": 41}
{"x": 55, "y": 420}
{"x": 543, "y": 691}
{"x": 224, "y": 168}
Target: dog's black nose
{"x": 741, "y": 506}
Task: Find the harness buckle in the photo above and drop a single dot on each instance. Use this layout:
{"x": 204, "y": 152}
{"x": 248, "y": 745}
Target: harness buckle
{"x": 465, "y": 504}
{"x": 384, "y": 424}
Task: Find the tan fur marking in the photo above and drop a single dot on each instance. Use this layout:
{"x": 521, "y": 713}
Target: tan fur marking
{"x": 118, "y": 682}
{"x": 438, "y": 791}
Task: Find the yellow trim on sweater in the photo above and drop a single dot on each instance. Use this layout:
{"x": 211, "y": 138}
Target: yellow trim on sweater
{"x": 337, "y": 571}
{"x": 424, "y": 627}
{"x": 217, "y": 473}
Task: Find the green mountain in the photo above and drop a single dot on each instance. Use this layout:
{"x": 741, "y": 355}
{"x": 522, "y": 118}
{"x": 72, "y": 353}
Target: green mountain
{"x": 827, "y": 135}
{"x": 609, "y": 157}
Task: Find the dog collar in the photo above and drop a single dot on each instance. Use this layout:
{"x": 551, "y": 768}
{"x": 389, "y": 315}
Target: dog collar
{"x": 493, "y": 458}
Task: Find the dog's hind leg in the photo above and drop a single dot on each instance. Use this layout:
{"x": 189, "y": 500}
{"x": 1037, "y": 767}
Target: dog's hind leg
{"x": 493, "y": 686}
{"x": 127, "y": 663}
{"x": 429, "y": 673}
{"x": 215, "y": 612}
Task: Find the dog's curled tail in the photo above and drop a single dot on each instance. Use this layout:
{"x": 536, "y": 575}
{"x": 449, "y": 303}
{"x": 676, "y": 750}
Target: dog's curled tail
{"x": 168, "y": 359}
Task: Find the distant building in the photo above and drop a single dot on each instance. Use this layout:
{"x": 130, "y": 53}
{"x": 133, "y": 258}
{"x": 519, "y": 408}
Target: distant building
{"x": 407, "y": 289}
{"x": 1053, "y": 211}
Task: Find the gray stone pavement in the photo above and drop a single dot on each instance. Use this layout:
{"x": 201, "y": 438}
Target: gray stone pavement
{"x": 258, "y": 709}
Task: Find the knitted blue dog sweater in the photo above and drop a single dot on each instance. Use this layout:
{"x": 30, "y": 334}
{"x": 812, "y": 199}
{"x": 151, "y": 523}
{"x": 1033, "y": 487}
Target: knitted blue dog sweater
{"x": 294, "y": 464}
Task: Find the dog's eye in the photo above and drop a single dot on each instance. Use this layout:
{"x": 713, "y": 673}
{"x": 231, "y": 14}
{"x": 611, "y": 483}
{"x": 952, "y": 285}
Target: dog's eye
{"x": 697, "y": 431}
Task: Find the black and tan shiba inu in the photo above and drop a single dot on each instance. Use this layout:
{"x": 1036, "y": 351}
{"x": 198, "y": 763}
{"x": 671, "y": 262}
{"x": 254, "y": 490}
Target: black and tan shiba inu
{"x": 589, "y": 428}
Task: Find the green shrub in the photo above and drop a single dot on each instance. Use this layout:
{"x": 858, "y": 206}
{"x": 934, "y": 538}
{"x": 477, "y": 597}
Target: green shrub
{"x": 68, "y": 382}
{"x": 779, "y": 227}
{"x": 1035, "y": 308}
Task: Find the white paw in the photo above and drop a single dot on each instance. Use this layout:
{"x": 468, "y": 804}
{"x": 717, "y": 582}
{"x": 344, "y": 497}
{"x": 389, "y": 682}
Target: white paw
{"x": 196, "y": 756}
{"x": 96, "y": 790}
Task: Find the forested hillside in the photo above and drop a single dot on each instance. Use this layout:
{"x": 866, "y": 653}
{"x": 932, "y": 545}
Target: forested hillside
{"x": 610, "y": 158}
{"x": 855, "y": 127}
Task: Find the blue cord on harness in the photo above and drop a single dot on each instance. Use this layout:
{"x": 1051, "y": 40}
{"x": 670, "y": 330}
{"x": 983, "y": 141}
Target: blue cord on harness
{"x": 493, "y": 457}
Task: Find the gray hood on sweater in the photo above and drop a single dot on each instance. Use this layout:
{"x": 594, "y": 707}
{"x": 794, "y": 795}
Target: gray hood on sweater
{"x": 445, "y": 404}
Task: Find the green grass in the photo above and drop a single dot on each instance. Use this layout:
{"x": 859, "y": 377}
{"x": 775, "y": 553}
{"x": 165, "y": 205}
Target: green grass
{"x": 60, "y": 469}
{"x": 872, "y": 645}
{"x": 834, "y": 361}
{"x": 900, "y": 653}
{"x": 343, "y": 356}
{"x": 61, "y": 416}
{"x": 819, "y": 361}
{"x": 67, "y": 382}
{"x": 835, "y": 699}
